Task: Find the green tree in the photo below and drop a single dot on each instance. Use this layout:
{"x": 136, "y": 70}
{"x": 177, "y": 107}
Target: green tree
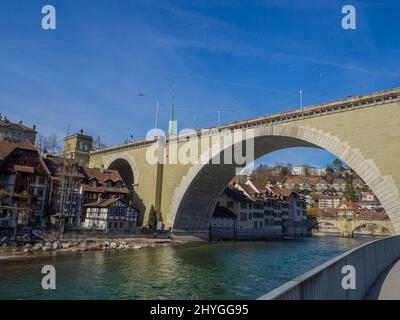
{"x": 152, "y": 223}
{"x": 337, "y": 166}
{"x": 349, "y": 192}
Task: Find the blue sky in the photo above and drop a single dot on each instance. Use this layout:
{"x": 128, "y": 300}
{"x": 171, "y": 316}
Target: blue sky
{"x": 245, "y": 58}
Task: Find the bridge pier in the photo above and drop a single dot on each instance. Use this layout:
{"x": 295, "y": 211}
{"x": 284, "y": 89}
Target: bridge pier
{"x": 347, "y": 235}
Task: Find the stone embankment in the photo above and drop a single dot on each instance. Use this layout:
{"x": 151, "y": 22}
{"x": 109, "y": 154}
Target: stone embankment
{"x": 9, "y": 249}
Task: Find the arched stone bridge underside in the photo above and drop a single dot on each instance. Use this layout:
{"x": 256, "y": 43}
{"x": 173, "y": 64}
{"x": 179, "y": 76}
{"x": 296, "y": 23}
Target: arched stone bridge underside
{"x": 349, "y": 226}
{"x": 363, "y": 131}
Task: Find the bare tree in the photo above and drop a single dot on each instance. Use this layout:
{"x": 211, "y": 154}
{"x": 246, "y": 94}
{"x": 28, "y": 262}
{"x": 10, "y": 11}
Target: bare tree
{"x": 49, "y": 143}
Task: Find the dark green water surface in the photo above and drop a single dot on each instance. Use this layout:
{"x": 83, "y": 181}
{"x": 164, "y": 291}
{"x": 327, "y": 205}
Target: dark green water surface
{"x": 222, "y": 270}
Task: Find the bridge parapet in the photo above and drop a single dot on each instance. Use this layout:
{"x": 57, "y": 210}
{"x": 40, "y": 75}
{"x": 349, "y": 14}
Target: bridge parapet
{"x": 325, "y": 281}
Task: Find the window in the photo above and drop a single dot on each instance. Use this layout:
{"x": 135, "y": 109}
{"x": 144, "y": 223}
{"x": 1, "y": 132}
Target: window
{"x": 116, "y": 225}
{"x": 243, "y": 216}
{"x": 243, "y": 205}
{"x": 255, "y": 224}
{"x": 121, "y": 224}
{"x": 260, "y": 224}
{"x": 230, "y": 204}
{"x": 250, "y": 216}
{"x": 109, "y": 225}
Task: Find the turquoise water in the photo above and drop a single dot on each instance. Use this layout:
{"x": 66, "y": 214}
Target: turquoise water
{"x": 222, "y": 270}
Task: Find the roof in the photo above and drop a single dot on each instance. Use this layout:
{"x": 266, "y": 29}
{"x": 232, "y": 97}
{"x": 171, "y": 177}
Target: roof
{"x": 7, "y": 147}
{"x": 235, "y": 193}
{"x": 19, "y": 125}
{"x": 246, "y": 189}
{"x": 257, "y": 186}
{"x": 102, "y": 203}
{"x": 222, "y": 212}
{"x": 102, "y": 189}
{"x": 55, "y": 163}
{"x": 275, "y": 189}
{"x": 102, "y": 175}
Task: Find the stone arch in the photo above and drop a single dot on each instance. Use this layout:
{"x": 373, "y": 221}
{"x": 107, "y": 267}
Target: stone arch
{"x": 335, "y": 224}
{"x": 383, "y": 224}
{"x": 192, "y": 204}
{"x": 125, "y": 165}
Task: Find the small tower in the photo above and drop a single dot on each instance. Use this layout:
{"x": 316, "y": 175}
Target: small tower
{"x": 78, "y": 147}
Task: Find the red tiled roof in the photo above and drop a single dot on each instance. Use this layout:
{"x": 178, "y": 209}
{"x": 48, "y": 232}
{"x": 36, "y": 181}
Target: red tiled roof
{"x": 7, "y": 147}
{"x": 102, "y": 175}
{"x": 247, "y": 189}
{"x": 102, "y": 203}
{"x": 258, "y": 186}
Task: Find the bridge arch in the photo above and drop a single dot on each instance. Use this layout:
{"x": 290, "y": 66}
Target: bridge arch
{"x": 125, "y": 165}
{"x": 382, "y": 224}
{"x": 195, "y": 197}
{"x": 335, "y": 224}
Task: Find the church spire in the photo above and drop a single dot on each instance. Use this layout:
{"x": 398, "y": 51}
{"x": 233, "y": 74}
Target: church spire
{"x": 172, "y": 122}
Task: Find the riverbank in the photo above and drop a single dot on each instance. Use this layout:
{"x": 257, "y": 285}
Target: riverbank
{"x": 48, "y": 246}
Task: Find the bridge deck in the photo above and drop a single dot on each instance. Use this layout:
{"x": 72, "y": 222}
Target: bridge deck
{"x": 387, "y": 285}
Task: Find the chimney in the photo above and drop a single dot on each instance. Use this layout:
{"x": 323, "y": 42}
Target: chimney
{"x": 99, "y": 198}
{"x": 34, "y": 127}
{"x": 81, "y": 131}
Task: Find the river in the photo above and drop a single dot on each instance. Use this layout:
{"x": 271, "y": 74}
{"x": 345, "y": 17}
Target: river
{"x": 221, "y": 270}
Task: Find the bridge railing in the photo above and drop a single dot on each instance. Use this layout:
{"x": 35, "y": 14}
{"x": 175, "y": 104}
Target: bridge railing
{"x": 325, "y": 281}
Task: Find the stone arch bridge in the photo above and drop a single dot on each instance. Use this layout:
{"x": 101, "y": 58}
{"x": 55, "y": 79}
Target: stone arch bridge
{"x": 363, "y": 131}
{"x": 347, "y": 227}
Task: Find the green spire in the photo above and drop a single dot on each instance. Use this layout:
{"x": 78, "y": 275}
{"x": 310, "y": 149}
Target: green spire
{"x": 171, "y": 125}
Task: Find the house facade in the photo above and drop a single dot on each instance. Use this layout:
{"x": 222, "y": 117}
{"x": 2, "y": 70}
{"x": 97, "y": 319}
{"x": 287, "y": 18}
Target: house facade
{"x": 111, "y": 214}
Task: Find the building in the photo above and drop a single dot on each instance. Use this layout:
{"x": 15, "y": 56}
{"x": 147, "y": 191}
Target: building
{"x": 306, "y": 194}
{"x": 222, "y": 225}
{"x": 16, "y": 132}
{"x": 328, "y": 201}
{"x": 112, "y": 214}
{"x": 305, "y": 170}
{"x": 65, "y": 189}
{"x": 321, "y": 185}
{"x": 339, "y": 184}
{"x": 101, "y": 183}
{"x": 262, "y": 212}
{"x": 24, "y": 179}
{"x": 301, "y": 182}
{"x": 78, "y": 147}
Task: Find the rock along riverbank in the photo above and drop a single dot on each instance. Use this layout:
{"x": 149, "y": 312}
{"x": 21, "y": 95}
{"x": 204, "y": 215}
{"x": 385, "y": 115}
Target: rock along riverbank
{"x": 13, "y": 250}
